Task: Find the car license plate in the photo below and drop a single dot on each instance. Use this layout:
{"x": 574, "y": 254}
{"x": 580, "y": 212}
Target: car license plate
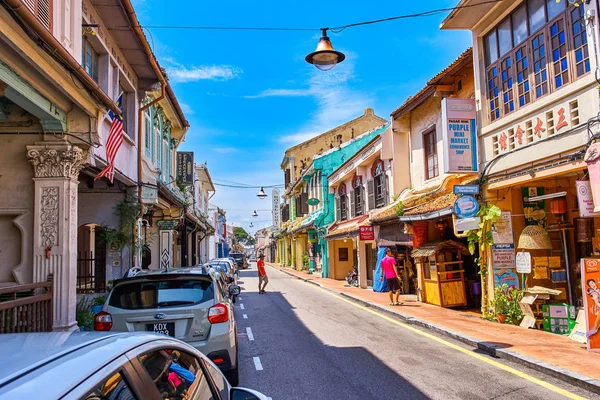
{"x": 166, "y": 328}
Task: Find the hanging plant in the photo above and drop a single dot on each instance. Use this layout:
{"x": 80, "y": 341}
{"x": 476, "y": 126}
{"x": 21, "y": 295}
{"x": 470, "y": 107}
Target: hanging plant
{"x": 483, "y": 239}
{"x": 122, "y": 236}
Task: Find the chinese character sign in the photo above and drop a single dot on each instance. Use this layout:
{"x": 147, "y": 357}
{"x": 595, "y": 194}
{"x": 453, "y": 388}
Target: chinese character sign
{"x": 276, "y": 208}
{"x": 590, "y": 283}
{"x": 460, "y": 135}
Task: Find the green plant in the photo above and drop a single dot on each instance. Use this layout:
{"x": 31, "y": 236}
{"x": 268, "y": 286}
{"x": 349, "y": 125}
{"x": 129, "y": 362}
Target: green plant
{"x": 122, "y": 236}
{"x": 278, "y": 261}
{"x": 84, "y": 315}
{"x": 500, "y": 302}
{"x": 399, "y": 208}
{"x": 99, "y": 301}
{"x": 305, "y": 259}
{"x": 514, "y": 314}
{"x": 482, "y": 238}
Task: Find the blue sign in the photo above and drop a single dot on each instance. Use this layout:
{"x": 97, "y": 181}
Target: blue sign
{"x": 466, "y": 189}
{"x": 466, "y": 207}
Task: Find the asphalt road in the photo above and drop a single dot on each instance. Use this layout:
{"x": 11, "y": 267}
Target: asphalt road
{"x": 300, "y": 342}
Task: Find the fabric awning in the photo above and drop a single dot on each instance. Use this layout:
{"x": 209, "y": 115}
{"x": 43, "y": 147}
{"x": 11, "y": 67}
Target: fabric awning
{"x": 427, "y": 216}
{"x": 346, "y": 229}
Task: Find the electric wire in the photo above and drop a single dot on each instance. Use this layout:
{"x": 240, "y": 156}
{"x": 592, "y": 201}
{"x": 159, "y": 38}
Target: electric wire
{"x": 336, "y": 29}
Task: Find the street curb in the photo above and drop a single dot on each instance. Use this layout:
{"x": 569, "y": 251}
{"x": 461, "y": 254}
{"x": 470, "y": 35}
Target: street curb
{"x": 573, "y": 378}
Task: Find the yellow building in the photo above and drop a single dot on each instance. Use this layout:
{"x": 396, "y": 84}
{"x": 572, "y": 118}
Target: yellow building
{"x": 292, "y": 244}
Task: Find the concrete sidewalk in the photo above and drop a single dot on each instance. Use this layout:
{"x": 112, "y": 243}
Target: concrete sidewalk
{"x": 550, "y": 353}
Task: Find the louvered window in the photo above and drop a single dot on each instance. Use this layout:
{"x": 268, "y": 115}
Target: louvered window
{"x": 42, "y": 9}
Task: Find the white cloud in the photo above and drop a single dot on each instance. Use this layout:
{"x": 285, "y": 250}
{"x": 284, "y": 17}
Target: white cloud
{"x": 181, "y": 73}
{"x": 186, "y": 108}
{"x": 281, "y": 93}
{"x": 226, "y": 150}
{"x": 337, "y": 102}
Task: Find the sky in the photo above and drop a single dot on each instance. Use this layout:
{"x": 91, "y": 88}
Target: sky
{"x": 250, "y": 95}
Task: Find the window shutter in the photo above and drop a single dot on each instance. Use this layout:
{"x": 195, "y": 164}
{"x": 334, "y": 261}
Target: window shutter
{"x": 352, "y": 205}
{"x": 305, "y": 203}
{"x": 360, "y": 207}
{"x": 298, "y": 209}
{"x": 287, "y": 177}
{"x": 338, "y": 209}
{"x": 370, "y": 194}
{"x": 42, "y": 9}
{"x": 385, "y": 190}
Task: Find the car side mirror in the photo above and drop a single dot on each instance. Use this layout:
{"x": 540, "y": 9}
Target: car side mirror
{"x": 234, "y": 290}
{"x": 245, "y": 394}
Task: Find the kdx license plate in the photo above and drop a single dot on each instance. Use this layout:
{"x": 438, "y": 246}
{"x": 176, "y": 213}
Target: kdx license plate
{"x": 166, "y": 328}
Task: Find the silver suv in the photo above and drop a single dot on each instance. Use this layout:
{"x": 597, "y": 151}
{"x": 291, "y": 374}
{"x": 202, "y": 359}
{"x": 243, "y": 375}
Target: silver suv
{"x": 190, "y": 304}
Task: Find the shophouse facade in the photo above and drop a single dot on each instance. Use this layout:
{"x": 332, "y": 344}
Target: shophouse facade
{"x": 53, "y": 116}
{"x": 534, "y": 65}
{"x": 426, "y": 209}
{"x": 292, "y": 247}
{"x": 204, "y": 190}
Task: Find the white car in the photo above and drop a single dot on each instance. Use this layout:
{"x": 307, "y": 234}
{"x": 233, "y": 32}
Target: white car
{"x": 94, "y": 365}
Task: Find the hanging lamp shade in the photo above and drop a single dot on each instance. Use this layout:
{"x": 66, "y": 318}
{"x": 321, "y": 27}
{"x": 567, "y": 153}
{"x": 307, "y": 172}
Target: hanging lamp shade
{"x": 261, "y": 194}
{"x": 325, "y": 57}
{"x": 534, "y": 237}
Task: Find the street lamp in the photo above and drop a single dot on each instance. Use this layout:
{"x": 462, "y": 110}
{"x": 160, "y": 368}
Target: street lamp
{"x": 261, "y": 195}
{"x": 255, "y": 214}
{"x": 325, "y": 57}
{"x": 251, "y": 225}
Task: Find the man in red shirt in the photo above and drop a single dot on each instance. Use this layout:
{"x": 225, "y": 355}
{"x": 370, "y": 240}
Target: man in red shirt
{"x": 262, "y": 274}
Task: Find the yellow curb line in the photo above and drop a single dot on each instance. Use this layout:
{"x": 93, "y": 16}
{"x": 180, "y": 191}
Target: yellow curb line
{"x": 480, "y": 357}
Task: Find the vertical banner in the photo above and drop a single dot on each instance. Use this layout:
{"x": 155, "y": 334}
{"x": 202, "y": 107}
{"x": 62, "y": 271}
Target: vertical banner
{"x": 590, "y": 282}
{"x": 276, "y": 208}
{"x": 585, "y": 199}
{"x": 535, "y": 211}
{"x": 459, "y": 136}
{"x": 185, "y": 167}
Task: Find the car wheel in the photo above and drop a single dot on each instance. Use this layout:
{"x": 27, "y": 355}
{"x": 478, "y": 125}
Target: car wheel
{"x": 233, "y": 376}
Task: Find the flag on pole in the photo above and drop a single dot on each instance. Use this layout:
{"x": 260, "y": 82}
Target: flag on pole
{"x": 115, "y": 139}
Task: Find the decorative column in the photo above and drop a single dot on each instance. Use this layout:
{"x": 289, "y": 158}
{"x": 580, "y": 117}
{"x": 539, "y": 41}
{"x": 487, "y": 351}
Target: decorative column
{"x": 56, "y": 166}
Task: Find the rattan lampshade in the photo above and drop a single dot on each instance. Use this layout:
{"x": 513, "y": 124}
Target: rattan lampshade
{"x": 534, "y": 237}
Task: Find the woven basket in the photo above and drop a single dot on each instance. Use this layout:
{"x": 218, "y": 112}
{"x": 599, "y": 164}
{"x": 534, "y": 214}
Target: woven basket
{"x": 534, "y": 237}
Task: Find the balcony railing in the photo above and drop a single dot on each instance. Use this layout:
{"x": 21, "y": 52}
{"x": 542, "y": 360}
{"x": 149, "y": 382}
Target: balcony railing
{"x": 26, "y": 308}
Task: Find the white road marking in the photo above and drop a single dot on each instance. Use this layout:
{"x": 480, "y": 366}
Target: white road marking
{"x": 239, "y": 298}
{"x": 245, "y": 316}
{"x": 242, "y": 306}
{"x": 249, "y": 333}
{"x": 257, "y": 364}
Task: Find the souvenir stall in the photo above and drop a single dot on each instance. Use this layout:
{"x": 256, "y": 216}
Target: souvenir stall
{"x": 441, "y": 273}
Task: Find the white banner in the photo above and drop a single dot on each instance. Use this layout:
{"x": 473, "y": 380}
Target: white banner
{"x": 585, "y": 200}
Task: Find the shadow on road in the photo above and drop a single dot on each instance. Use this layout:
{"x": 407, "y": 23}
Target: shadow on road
{"x": 298, "y": 365}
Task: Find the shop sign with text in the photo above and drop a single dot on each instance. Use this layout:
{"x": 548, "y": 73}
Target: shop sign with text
{"x": 502, "y": 230}
{"x": 367, "y": 233}
{"x": 185, "y": 167}
{"x": 585, "y": 199}
{"x": 460, "y": 136}
{"x": 590, "y": 282}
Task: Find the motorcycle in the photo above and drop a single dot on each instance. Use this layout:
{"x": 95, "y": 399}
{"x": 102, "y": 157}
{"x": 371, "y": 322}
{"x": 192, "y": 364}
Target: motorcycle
{"x": 352, "y": 277}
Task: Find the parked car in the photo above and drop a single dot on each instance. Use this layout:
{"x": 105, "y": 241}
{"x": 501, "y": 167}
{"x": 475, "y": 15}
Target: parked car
{"x": 95, "y": 365}
{"x": 191, "y": 304}
{"x": 227, "y": 266}
{"x": 253, "y": 258}
{"x": 240, "y": 259}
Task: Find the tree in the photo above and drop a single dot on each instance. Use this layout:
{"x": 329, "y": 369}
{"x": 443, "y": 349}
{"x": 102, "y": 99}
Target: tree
{"x": 242, "y": 236}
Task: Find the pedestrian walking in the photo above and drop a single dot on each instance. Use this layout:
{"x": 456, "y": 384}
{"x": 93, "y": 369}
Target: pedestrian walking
{"x": 388, "y": 269}
{"x": 263, "y": 279}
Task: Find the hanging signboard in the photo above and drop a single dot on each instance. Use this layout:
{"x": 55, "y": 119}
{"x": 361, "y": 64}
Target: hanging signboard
{"x": 367, "y": 233}
{"x": 466, "y": 207}
{"x": 185, "y": 167}
{"x": 149, "y": 194}
{"x": 535, "y": 211}
{"x": 466, "y": 224}
{"x": 592, "y": 159}
{"x": 585, "y": 199}
{"x": 276, "y": 208}
{"x": 167, "y": 225}
{"x": 523, "y": 262}
{"x": 502, "y": 231}
{"x": 466, "y": 189}
{"x": 590, "y": 282}
{"x": 460, "y": 136}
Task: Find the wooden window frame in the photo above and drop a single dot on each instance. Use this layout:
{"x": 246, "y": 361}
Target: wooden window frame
{"x": 493, "y": 72}
{"x": 34, "y": 7}
{"x": 426, "y": 156}
{"x": 343, "y": 199}
{"x": 95, "y": 59}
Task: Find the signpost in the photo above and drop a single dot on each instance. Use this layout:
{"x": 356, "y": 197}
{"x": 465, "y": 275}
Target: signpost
{"x": 466, "y": 189}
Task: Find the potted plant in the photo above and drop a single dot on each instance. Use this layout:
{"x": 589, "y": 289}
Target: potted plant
{"x": 97, "y": 304}
{"x": 84, "y": 315}
{"x": 515, "y": 314}
{"x": 500, "y": 303}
